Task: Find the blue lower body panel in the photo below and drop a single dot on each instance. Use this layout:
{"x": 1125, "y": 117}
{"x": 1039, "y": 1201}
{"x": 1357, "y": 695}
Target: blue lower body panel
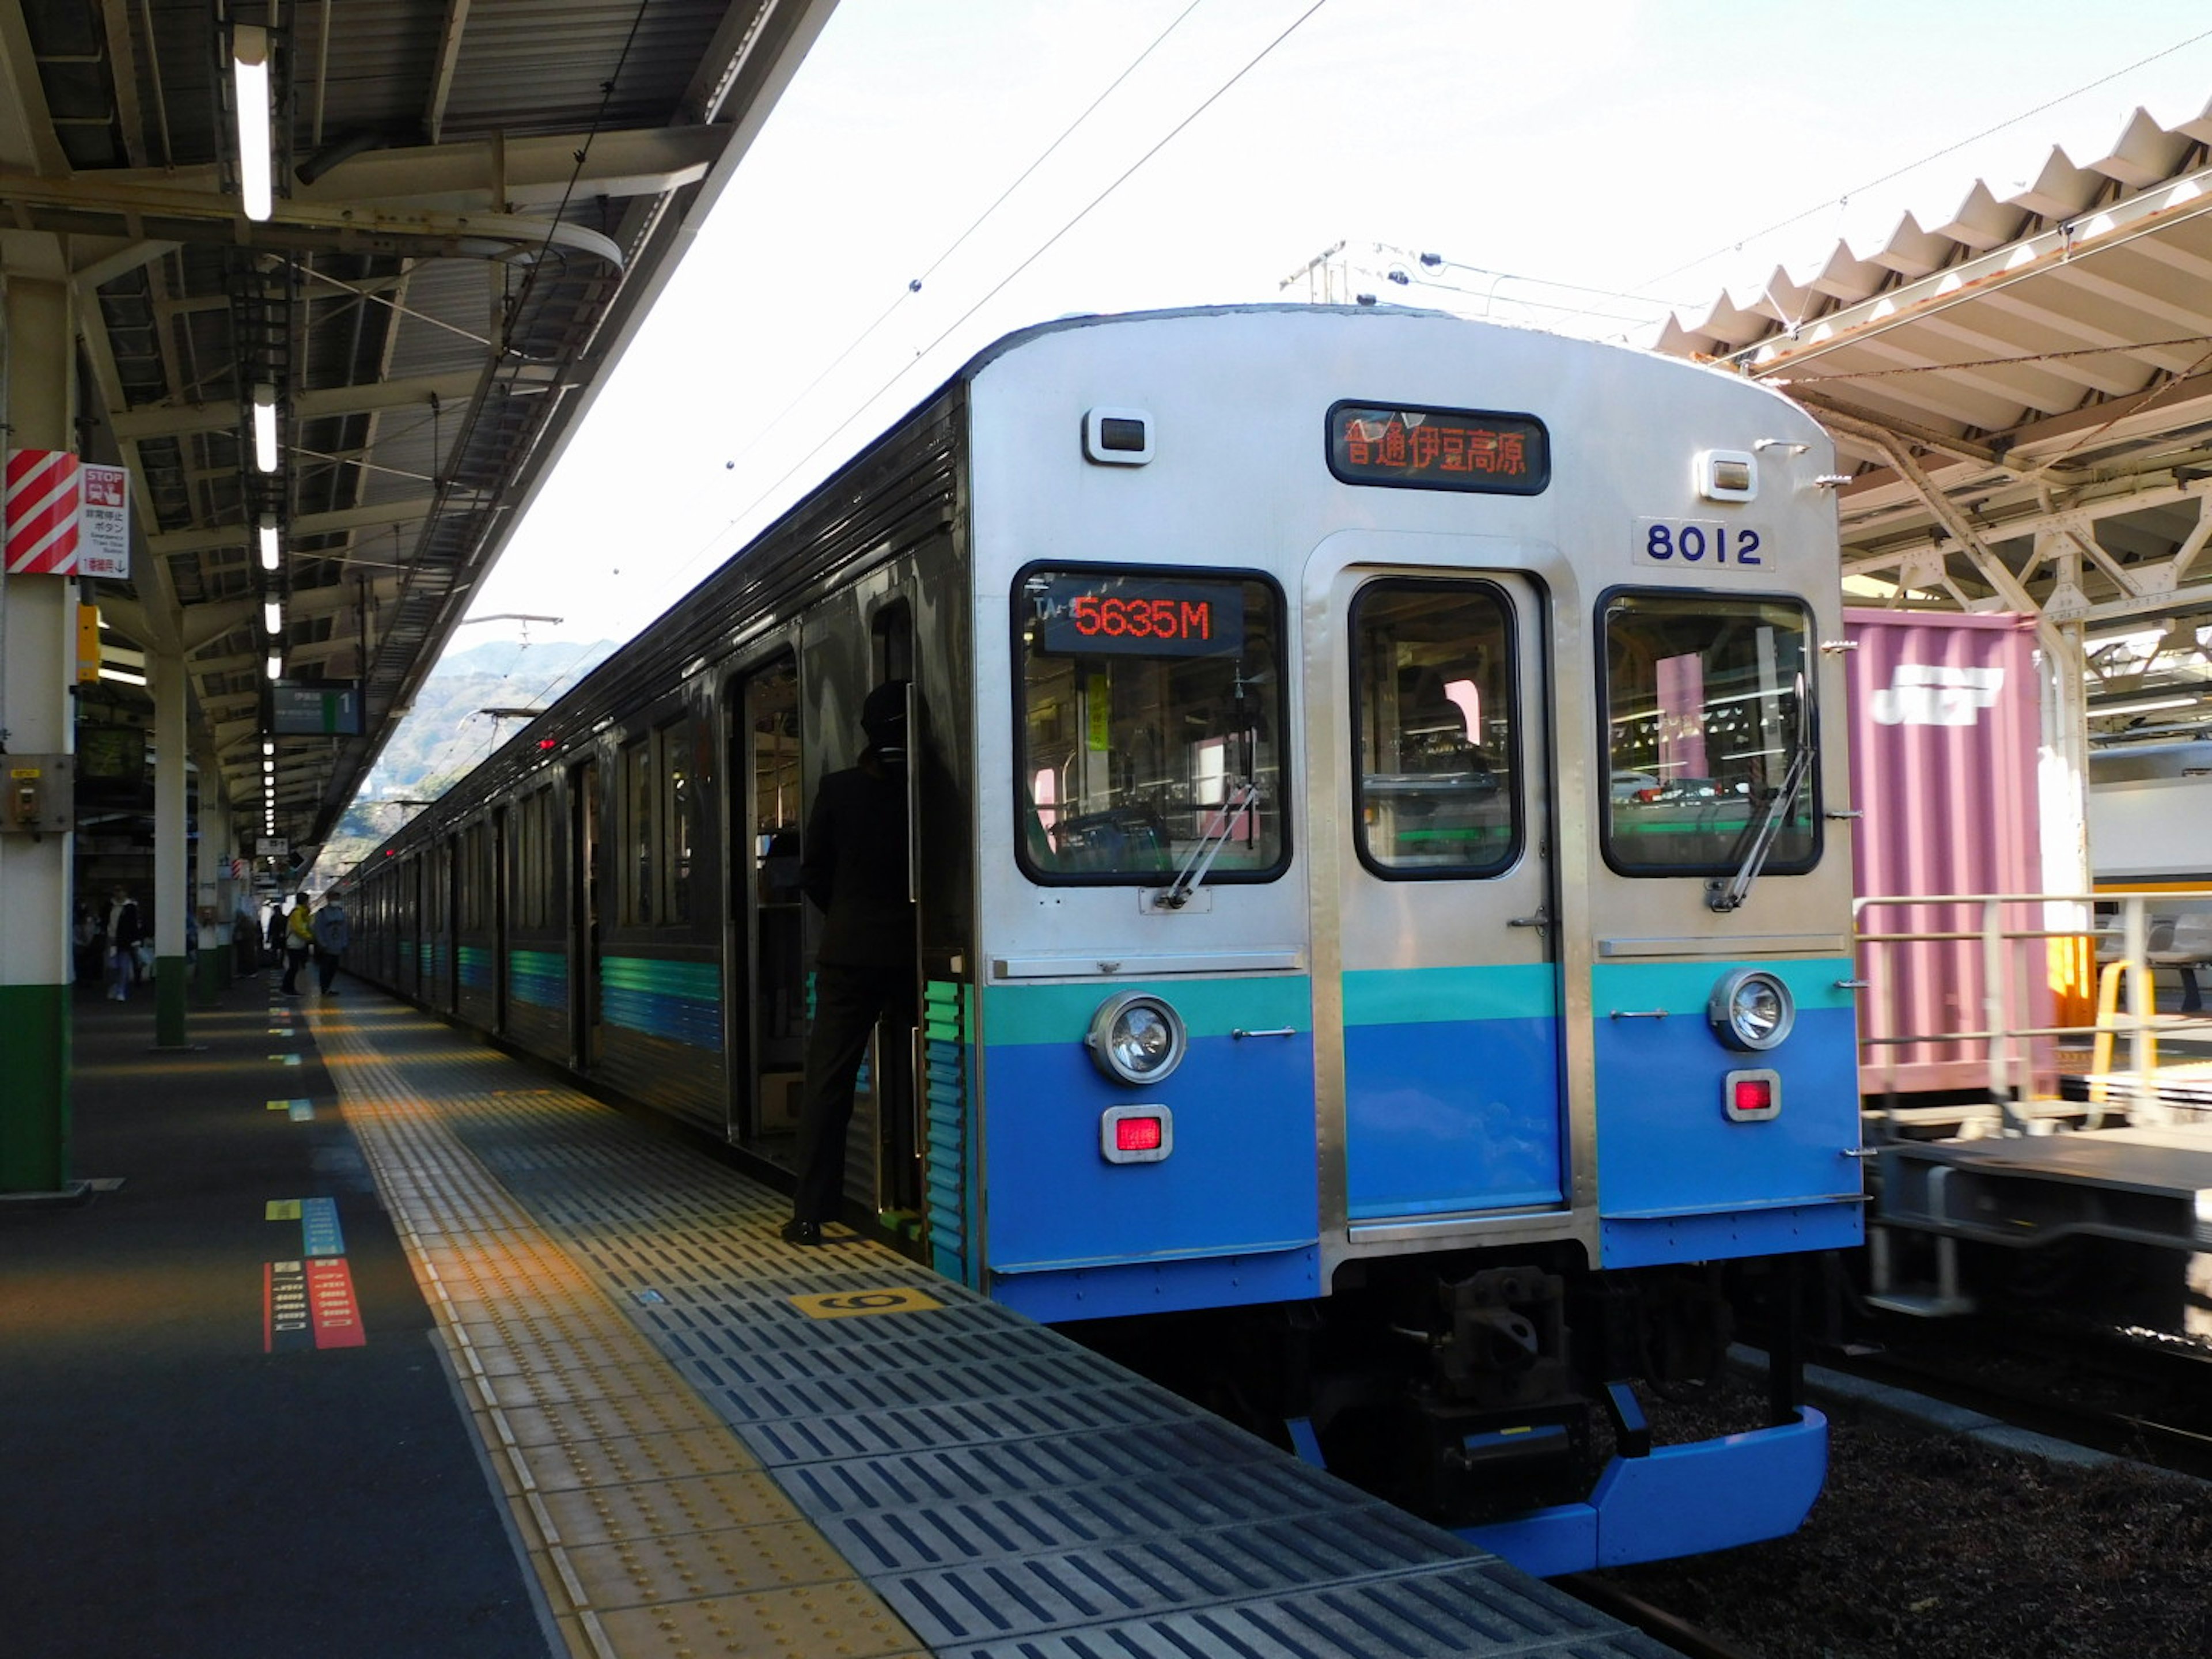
{"x": 1676, "y": 1500}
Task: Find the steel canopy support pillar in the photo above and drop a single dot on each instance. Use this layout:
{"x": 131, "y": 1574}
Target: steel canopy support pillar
{"x": 211, "y": 900}
{"x": 172, "y": 889}
{"x": 2063, "y": 788}
{"x": 38, "y": 663}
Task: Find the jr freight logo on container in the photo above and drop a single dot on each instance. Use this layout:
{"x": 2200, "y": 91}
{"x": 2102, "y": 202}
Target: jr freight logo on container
{"x": 1924, "y": 695}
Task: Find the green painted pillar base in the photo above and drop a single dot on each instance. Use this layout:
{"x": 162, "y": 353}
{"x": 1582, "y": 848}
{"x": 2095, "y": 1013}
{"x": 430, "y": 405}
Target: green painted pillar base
{"x": 34, "y": 1088}
{"x": 169, "y": 1002}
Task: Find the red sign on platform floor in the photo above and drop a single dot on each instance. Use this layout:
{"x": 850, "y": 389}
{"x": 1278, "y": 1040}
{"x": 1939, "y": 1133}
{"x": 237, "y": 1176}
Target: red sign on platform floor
{"x": 309, "y": 1305}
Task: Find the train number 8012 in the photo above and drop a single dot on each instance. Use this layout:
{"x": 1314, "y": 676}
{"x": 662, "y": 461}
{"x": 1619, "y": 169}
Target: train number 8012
{"x": 1698, "y": 544}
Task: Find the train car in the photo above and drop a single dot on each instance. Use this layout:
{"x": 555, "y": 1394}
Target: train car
{"x": 1376, "y": 889}
{"x": 2150, "y": 801}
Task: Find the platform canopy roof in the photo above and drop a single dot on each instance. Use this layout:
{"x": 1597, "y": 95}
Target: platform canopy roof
{"x": 475, "y": 203}
{"x": 2021, "y": 396}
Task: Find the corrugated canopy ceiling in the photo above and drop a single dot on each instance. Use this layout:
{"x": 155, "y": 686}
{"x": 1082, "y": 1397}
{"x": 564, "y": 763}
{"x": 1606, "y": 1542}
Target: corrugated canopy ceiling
{"x": 476, "y": 199}
{"x": 2022, "y": 396}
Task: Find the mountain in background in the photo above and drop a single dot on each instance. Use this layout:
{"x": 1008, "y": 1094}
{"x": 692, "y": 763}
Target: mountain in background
{"x": 447, "y": 733}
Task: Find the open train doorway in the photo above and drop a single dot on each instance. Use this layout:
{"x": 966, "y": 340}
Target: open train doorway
{"x": 767, "y": 812}
{"x": 896, "y": 1067}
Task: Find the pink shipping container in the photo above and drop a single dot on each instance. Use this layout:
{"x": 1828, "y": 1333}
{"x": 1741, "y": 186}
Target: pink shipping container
{"x": 1946, "y": 728}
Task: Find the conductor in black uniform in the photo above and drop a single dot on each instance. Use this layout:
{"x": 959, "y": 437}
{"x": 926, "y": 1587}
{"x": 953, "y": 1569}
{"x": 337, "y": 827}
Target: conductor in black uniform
{"x": 854, "y": 868}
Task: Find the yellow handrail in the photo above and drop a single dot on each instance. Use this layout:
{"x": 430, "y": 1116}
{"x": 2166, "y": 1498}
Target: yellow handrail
{"x": 2108, "y": 1008}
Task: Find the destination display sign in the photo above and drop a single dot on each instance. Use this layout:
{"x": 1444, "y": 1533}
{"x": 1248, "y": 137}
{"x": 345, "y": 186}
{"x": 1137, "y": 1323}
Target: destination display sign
{"x": 1484, "y": 452}
{"x": 1094, "y": 615}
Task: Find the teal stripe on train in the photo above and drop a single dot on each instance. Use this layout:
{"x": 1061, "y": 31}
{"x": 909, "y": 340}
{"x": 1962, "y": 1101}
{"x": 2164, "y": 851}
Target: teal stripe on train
{"x": 475, "y": 968}
{"x": 948, "y": 1019}
{"x": 1428, "y": 996}
{"x": 1686, "y": 988}
{"x": 680, "y": 1001}
{"x": 539, "y": 978}
{"x": 1209, "y": 1007}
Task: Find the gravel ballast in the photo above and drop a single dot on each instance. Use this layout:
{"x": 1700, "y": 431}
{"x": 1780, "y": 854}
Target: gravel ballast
{"x": 1938, "y": 1544}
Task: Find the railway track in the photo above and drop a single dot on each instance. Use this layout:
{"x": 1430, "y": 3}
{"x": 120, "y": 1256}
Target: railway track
{"x": 1686, "y": 1639}
{"x": 2152, "y": 1402}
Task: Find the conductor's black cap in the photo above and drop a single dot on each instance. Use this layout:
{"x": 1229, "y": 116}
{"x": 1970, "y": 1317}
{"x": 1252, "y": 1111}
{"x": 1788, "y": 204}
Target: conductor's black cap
{"x": 883, "y": 715}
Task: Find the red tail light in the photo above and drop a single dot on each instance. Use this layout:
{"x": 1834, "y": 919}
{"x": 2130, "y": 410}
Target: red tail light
{"x": 1137, "y": 1135}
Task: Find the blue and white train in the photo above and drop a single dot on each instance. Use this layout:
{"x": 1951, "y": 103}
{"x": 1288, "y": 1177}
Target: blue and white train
{"x": 1376, "y": 882}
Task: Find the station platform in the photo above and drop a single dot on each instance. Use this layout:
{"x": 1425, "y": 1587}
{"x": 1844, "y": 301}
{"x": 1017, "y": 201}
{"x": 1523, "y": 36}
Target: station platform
{"x": 387, "y": 1343}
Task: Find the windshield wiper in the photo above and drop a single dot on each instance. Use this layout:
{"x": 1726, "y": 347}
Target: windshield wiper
{"x": 1193, "y": 873}
{"x": 1724, "y": 896}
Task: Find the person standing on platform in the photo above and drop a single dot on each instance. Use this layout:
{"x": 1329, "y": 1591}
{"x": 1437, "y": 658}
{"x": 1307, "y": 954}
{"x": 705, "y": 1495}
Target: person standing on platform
{"x": 332, "y": 938}
{"x": 125, "y": 930}
{"x": 299, "y": 942}
{"x": 273, "y": 934}
{"x": 246, "y": 938}
{"x": 854, "y": 868}
{"x": 87, "y": 963}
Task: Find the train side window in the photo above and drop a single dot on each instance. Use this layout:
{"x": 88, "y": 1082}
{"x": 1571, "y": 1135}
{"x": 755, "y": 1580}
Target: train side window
{"x": 1147, "y": 700}
{"x": 1700, "y": 709}
{"x": 531, "y": 860}
{"x": 1436, "y": 730}
{"x": 890, "y": 642}
{"x": 674, "y": 741}
{"x": 637, "y": 797}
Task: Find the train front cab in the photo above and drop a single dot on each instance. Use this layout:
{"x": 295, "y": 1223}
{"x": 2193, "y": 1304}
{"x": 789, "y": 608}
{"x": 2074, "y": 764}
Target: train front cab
{"x": 1543, "y": 1059}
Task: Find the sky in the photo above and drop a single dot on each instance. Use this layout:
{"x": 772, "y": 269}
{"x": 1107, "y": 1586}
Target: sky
{"x": 1584, "y": 165}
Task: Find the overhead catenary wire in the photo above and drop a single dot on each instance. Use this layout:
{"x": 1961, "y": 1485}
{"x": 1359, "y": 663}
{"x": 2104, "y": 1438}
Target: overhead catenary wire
{"x": 2025, "y": 357}
{"x": 1843, "y": 199}
{"x": 915, "y": 285}
{"x": 1038, "y": 253}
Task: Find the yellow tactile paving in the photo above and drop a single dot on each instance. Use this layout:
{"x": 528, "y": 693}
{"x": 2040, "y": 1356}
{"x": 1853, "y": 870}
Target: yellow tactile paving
{"x": 697, "y": 1564}
{"x": 655, "y": 1509}
{"x": 821, "y": 1621}
{"x": 647, "y": 1522}
{"x": 562, "y": 1464}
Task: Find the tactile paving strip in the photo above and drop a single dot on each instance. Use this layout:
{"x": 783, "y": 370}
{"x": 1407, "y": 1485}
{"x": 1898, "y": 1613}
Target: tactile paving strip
{"x": 651, "y": 1527}
{"x": 1005, "y": 1493}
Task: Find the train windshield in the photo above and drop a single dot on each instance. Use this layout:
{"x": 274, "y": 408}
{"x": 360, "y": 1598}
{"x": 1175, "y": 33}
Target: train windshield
{"x": 1149, "y": 700}
{"x": 1702, "y": 718}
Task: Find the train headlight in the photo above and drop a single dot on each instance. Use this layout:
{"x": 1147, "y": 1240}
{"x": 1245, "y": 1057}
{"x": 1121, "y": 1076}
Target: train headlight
{"x": 1750, "y": 1009}
{"x": 1136, "y": 1038}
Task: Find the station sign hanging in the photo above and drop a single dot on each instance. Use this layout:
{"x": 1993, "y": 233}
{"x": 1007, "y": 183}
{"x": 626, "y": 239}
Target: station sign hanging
{"x": 331, "y": 709}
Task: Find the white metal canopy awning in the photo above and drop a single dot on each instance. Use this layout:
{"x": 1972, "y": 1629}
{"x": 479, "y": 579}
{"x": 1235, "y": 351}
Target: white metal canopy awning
{"x": 2023, "y": 395}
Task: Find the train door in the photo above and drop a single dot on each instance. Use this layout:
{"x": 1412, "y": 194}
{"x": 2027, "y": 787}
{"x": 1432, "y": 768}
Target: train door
{"x": 1439, "y": 899}
{"x": 498, "y": 917}
{"x": 896, "y": 1067}
{"x": 767, "y": 1011}
{"x": 584, "y": 910}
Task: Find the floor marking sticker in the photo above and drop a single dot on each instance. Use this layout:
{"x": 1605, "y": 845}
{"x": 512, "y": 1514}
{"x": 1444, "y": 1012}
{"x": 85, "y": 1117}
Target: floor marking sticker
{"x": 302, "y": 1110}
{"x": 308, "y": 1304}
{"x": 280, "y": 1209}
{"x": 318, "y": 1226}
{"x": 286, "y": 1059}
{"x": 852, "y": 1304}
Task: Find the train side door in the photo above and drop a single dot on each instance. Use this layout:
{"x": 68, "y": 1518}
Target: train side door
{"x": 767, "y": 813}
{"x": 498, "y": 918}
{"x": 1433, "y": 720}
{"x": 896, "y": 1067}
{"x": 584, "y": 877}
